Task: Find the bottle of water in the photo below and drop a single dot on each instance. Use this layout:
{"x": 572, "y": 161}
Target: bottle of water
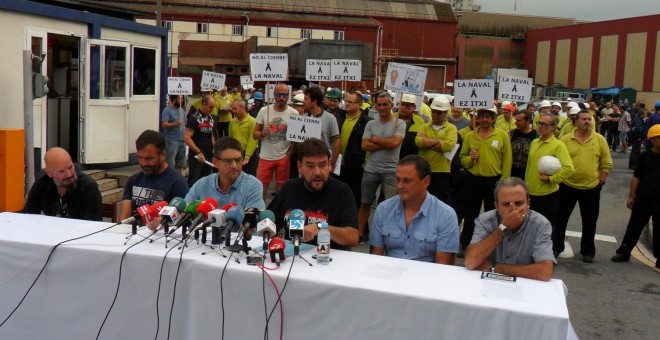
{"x": 323, "y": 245}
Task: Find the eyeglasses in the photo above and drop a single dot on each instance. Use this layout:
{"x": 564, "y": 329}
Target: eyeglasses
{"x": 544, "y": 124}
{"x": 281, "y": 95}
{"x": 238, "y": 160}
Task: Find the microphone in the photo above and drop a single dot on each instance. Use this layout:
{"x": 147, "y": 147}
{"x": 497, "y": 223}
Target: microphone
{"x": 155, "y": 211}
{"x": 266, "y": 226}
{"x": 234, "y": 217}
{"x": 276, "y": 250}
{"x": 188, "y": 214}
{"x": 140, "y": 213}
{"x": 170, "y": 213}
{"x": 296, "y": 228}
{"x": 217, "y": 221}
{"x": 202, "y": 212}
{"x": 250, "y": 217}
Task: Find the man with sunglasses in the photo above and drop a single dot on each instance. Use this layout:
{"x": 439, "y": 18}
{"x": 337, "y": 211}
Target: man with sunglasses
{"x": 275, "y": 148}
{"x": 230, "y": 184}
{"x": 512, "y": 239}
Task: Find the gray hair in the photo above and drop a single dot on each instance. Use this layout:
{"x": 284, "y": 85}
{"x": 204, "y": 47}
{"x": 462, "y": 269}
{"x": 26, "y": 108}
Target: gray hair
{"x": 555, "y": 118}
{"x": 509, "y": 183}
{"x": 385, "y": 95}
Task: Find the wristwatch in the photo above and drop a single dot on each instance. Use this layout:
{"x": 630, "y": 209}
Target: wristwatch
{"x": 505, "y": 230}
{"x": 318, "y": 225}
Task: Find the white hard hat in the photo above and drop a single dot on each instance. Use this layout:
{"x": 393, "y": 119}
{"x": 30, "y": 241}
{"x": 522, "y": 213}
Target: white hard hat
{"x": 549, "y": 165}
{"x": 408, "y": 98}
{"x": 574, "y": 110}
{"x": 544, "y": 103}
{"x": 440, "y": 103}
{"x": 557, "y": 104}
{"x": 573, "y": 104}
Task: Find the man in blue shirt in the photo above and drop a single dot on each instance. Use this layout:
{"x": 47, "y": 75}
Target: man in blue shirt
{"x": 230, "y": 184}
{"x": 173, "y": 124}
{"x": 413, "y": 224}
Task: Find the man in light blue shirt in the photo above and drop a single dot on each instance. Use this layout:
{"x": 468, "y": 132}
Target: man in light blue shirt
{"x": 230, "y": 184}
{"x": 415, "y": 225}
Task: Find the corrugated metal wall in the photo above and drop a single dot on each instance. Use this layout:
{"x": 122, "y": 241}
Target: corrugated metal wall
{"x": 583, "y": 62}
{"x": 608, "y": 56}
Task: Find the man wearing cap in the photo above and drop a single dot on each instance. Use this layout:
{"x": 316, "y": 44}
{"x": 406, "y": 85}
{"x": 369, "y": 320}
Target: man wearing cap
{"x": 505, "y": 121}
{"x": 644, "y": 199}
{"x": 223, "y": 105}
{"x": 434, "y": 139}
{"x": 200, "y": 139}
{"x": 258, "y": 104}
{"x": 652, "y": 120}
{"x": 521, "y": 138}
{"x": 544, "y": 107}
{"x": 592, "y": 162}
{"x": 413, "y": 124}
{"x": 241, "y": 128}
{"x": 486, "y": 154}
{"x": 334, "y": 99}
{"x": 297, "y": 103}
{"x": 329, "y": 129}
{"x": 351, "y": 128}
{"x": 382, "y": 138}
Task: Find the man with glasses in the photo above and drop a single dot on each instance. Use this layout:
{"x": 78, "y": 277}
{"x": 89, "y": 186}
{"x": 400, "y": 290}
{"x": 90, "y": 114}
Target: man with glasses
{"x": 512, "y": 239}
{"x": 413, "y": 124}
{"x": 275, "y": 148}
{"x": 200, "y": 139}
{"x": 351, "y": 128}
{"x": 230, "y": 184}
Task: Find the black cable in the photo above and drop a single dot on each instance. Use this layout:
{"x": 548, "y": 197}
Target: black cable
{"x": 222, "y": 296}
{"x": 121, "y": 263}
{"x": 279, "y": 297}
{"x": 176, "y": 279}
{"x": 44, "y": 267}
{"x": 160, "y": 281}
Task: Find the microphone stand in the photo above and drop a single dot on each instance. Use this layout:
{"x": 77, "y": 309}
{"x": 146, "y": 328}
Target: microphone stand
{"x": 296, "y": 249}
{"x": 134, "y": 228}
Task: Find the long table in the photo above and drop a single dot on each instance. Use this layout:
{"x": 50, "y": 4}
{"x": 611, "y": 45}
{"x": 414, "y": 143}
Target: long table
{"x": 356, "y": 296}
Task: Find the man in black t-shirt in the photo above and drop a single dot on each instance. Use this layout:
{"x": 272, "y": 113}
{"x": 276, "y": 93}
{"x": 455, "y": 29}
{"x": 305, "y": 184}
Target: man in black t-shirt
{"x": 643, "y": 200}
{"x": 63, "y": 191}
{"x": 322, "y": 198}
{"x": 156, "y": 182}
{"x": 521, "y": 139}
{"x": 200, "y": 140}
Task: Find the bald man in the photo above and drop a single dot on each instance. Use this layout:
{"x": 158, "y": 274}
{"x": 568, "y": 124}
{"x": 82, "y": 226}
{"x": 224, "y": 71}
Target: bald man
{"x": 63, "y": 192}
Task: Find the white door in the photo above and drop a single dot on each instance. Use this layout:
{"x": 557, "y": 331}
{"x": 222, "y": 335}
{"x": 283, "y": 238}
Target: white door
{"x": 105, "y": 102}
{"x": 36, "y": 42}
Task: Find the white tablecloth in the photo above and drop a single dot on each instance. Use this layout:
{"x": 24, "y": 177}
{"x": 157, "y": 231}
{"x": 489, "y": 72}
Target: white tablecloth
{"x": 357, "y": 296}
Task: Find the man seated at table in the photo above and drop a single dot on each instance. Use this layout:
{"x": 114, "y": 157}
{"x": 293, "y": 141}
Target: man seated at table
{"x": 512, "y": 239}
{"x": 415, "y": 225}
{"x": 230, "y": 183}
{"x": 322, "y": 197}
{"x": 157, "y": 181}
{"x": 63, "y": 191}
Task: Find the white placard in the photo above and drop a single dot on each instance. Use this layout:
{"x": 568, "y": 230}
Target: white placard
{"x": 213, "y": 80}
{"x": 318, "y": 70}
{"x": 179, "y": 85}
{"x": 346, "y": 70}
{"x": 271, "y": 94}
{"x": 405, "y": 78}
{"x": 474, "y": 93}
{"x": 515, "y": 89}
{"x": 302, "y": 128}
{"x": 269, "y": 66}
{"x": 246, "y": 80}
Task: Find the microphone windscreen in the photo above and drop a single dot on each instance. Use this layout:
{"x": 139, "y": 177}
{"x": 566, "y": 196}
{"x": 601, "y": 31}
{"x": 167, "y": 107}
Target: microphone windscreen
{"x": 192, "y": 207}
{"x": 234, "y": 214}
{"x": 251, "y": 216}
{"x": 179, "y": 203}
{"x": 206, "y": 206}
{"x": 267, "y": 214}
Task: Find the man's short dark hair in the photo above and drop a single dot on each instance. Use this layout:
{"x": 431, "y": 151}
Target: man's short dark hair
{"x": 528, "y": 116}
{"x": 226, "y": 143}
{"x": 311, "y": 148}
{"x": 358, "y": 96}
{"x": 315, "y": 94}
{"x": 152, "y": 137}
{"x": 174, "y": 97}
{"x": 422, "y": 165}
{"x": 205, "y": 99}
{"x": 384, "y": 95}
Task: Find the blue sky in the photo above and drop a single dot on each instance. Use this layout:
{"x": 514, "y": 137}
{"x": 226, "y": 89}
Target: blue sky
{"x": 589, "y": 10}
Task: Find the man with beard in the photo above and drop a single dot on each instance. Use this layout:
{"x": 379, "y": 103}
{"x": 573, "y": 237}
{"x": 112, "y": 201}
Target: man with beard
{"x": 415, "y": 225}
{"x": 521, "y": 139}
{"x": 334, "y": 100}
{"x": 156, "y": 182}
{"x": 230, "y": 184}
{"x": 63, "y": 192}
{"x": 413, "y": 125}
{"x": 329, "y": 129}
{"x": 173, "y": 123}
{"x": 322, "y": 197}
